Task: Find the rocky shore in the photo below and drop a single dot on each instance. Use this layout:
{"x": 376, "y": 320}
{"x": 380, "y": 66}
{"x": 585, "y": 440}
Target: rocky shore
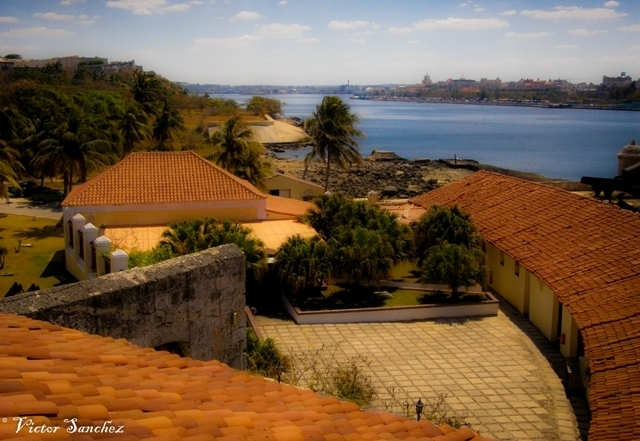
{"x": 395, "y": 177}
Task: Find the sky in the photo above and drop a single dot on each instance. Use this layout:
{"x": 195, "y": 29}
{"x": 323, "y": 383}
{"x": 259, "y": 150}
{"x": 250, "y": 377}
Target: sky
{"x": 330, "y": 42}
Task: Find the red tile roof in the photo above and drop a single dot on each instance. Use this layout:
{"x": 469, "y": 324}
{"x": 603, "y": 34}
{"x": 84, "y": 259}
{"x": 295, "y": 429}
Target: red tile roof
{"x": 288, "y": 206}
{"x": 588, "y": 253}
{"x": 162, "y": 177}
{"x": 49, "y": 374}
{"x": 293, "y": 178}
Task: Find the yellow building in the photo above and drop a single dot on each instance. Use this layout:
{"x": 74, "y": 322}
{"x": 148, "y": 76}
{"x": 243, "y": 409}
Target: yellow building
{"x": 132, "y": 203}
{"x": 572, "y": 265}
{"x": 288, "y": 186}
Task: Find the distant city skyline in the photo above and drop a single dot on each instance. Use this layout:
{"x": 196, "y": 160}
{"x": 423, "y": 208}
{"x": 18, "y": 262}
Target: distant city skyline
{"x": 295, "y": 42}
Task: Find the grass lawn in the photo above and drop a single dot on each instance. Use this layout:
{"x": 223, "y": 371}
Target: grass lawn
{"x": 405, "y": 272}
{"x": 42, "y": 263}
{"x": 343, "y": 297}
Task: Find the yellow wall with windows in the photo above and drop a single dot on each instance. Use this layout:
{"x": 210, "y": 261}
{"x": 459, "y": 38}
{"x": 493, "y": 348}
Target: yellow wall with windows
{"x": 514, "y": 288}
{"x": 571, "y": 332}
{"x": 165, "y": 217}
{"x": 543, "y": 308}
{"x": 298, "y": 189}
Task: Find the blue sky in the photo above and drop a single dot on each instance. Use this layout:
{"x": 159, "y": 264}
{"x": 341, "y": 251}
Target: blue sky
{"x": 299, "y": 42}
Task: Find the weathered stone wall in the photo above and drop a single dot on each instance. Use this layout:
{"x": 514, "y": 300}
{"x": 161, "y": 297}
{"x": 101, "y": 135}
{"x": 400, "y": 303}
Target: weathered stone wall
{"x": 195, "y": 300}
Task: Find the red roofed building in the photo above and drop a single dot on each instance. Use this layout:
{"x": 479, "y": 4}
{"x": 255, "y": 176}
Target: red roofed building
{"x": 131, "y": 203}
{"x": 572, "y": 265}
{"x": 62, "y": 384}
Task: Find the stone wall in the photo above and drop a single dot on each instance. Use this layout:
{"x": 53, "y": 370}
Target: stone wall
{"x": 194, "y": 302}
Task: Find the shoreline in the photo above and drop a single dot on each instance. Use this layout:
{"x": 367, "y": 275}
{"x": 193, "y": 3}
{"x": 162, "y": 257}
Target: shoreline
{"x": 394, "y": 177}
{"x": 475, "y": 102}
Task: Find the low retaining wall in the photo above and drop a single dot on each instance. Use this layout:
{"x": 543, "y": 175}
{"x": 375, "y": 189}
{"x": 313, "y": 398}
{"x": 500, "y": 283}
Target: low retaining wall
{"x": 393, "y": 314}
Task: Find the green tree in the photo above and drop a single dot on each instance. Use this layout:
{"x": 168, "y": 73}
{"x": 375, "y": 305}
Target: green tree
{"x": 166, "y": 125}
{"x": 332, "y": 214}
{"x": 7, "y": 176}
{"x": 265, "y": 106}
{"x": 74, "y": 145}
{"x": 130, "y": 122}
{"x": 146, "y": 88}
{"x": 332, "y": 128}
{"x": 237, "y": 152}
{"x": 455, "y": 265}
{"x": 300, "y": 262}
{"x": 362, "y": 255}
{"x": 444, "y": 224}
{"x": 200, "y": 234}
{"x": 13, "y": 57}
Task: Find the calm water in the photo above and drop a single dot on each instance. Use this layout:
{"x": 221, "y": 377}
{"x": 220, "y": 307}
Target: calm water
{"x": 562, "y": 143}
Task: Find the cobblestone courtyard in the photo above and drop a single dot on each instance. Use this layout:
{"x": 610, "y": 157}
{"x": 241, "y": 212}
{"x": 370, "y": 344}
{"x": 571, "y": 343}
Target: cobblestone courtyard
{"x": 489, "y": 368}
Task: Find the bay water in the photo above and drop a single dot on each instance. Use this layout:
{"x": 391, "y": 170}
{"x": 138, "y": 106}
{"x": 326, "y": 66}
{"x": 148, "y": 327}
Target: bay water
{"x": 557, "y": 143}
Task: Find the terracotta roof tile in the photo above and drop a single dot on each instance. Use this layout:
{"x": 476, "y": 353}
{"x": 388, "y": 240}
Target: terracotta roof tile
{"x": 161, "y": 178}
{"x": 288, "y": 206}
{"x": 588, "y": 253}
{"x": 160, "y": 396}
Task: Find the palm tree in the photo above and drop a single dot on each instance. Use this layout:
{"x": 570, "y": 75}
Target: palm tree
{"x": 200, "y": 234}
{"x": 146, "y": 88}
{"x": 332, "y": 129}
{"x": 74, "y": 145}
{"x": 300, "y": 262}
{"x": 231, "y": 141}
{"x": 362, "y": 254}
{"x": 166, "y": 124}
{"x": 7, "y": 175}
{"x": 238, "y": 153}
{"x": 131, "y": 122}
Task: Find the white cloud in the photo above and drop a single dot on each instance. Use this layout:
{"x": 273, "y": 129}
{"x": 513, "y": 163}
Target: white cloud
{"x": 229, "y": 43}
{"x": 347, "y": 24}
{"x": 54, "y": 16}
{"x": 80, "y": 19}
{"x": 528, "y": 35}
{"x": 508, "y": 13}
{"x": 147, "y": 7}
{"x": 8, "y": 19}
{"x": 611, "y": 4}
{"x": 36, "y": 32}
{"x": 460, "y": 24}
{"x": 567, "y": 46}
{"x": 632, "y": 28}
{"x": 246, "y": 15}
{"x": 465, "y": 4}
{"x": 70, "y": 2}
{"x": 357, "y": 40}
{"x": 573, "y": 13}
{"x": 586, "y": 33}
{"x": 196, "y": 2}
{"x": 635, "y": 48}
{"x": 401, "y": 30}
{"x": 279, "y": 30}
{"x": 479, "y": 9}
{"x": 307, "y": 40}
{"x": 282, "y": 2}
{"x": 179, "y": 7}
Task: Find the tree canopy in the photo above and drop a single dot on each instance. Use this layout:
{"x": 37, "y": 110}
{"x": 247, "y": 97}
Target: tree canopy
{"x": 266, "y": 106}
{"x": 332, "y": 129}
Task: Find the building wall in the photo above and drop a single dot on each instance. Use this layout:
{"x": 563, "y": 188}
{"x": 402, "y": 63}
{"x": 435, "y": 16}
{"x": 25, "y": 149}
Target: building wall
{"x": 196, "y": 301}
{"x": 571, "y": 333}
{"x": 299, "y": 190}
{"x": 543, "y": 308}
{"x": 514, "y": 288}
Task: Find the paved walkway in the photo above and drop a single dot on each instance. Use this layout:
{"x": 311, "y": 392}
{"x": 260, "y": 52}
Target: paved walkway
{"x": 25, "y": 208}
{"x": 489, "y": 368}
